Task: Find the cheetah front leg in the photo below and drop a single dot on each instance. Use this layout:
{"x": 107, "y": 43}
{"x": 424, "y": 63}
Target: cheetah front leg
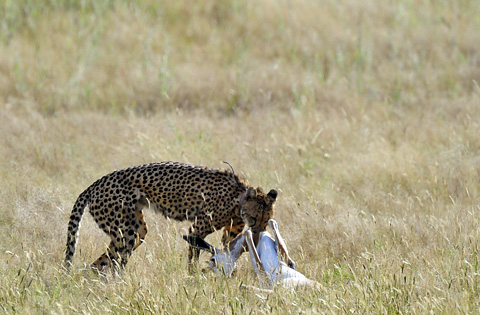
{"x": 231, "y": 231}
{"x": 201, "y": 228}
{"x": 193, "y": 252}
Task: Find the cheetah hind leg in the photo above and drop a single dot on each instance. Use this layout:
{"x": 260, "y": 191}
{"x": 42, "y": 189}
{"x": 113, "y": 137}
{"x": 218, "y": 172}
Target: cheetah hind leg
{"x": 122, "y": 246}
{"x": 134, "y": 232}
{"x": 107, "y": 261}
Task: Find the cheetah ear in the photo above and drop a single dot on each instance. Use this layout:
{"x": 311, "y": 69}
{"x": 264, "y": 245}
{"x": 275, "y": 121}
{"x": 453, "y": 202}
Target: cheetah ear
{"x": 251, "y": 193}
{"x": 259, "y": 190}
{"x": 272, "y": 194}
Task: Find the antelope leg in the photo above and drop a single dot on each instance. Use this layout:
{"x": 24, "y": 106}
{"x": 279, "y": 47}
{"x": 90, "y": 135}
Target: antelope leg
{"x": 256, "y": 262}
{"x": 281, "y": 243}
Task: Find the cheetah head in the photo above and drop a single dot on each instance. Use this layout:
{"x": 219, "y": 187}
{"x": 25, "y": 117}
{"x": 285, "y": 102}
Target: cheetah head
{"x": 256, "y": 208}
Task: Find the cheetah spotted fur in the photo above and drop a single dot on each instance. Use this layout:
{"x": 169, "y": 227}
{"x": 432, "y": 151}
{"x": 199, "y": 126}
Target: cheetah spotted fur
{"x": 210, "y": 198}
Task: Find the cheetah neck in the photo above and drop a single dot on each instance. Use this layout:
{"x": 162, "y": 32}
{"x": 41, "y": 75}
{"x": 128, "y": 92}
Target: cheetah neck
{"x": 241, "y": 198}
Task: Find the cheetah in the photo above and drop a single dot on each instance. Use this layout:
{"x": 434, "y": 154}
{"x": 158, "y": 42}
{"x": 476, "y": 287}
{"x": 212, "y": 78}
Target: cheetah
{"x": 210, "y": 198}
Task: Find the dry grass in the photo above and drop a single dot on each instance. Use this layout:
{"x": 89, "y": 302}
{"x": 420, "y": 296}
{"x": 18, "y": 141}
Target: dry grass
{"x": 365, "y": 117}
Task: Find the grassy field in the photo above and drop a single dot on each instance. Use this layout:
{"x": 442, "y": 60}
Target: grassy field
{"x": 364, "y": 115}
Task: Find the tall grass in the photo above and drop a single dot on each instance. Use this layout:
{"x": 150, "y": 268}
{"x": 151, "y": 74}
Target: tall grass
{"x": 363, "y": 115}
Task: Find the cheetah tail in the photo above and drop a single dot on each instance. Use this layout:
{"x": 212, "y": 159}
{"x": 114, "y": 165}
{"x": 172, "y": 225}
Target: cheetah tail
{"x": 74, "y": 225}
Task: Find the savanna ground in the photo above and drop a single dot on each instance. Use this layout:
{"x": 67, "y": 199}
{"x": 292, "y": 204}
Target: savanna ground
{"x": 365, "y": 115}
